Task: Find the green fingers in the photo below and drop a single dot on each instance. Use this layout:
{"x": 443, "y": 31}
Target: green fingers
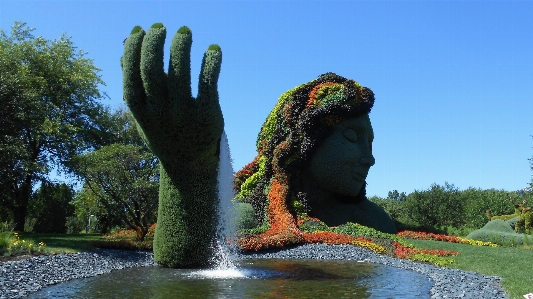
{"x": 179, "y": 73}
{"x": 136, "y": 29}
{"x": 184, "y": 30}
{"x": 163, "y": 103}
{"x": 214, "y": 47}
{"x": 157, "y": 26}
{"x": 207, "y": 85}
{"x": 152, "y": 72}
{"x": 134, "y": 95}
{"x": 182, "y": 132}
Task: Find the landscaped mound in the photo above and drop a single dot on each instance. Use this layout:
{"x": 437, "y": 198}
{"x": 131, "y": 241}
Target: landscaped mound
{"x": 500, "y": 232}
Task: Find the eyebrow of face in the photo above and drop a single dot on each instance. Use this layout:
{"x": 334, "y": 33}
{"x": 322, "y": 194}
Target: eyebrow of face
{"x": 356, "y": 126}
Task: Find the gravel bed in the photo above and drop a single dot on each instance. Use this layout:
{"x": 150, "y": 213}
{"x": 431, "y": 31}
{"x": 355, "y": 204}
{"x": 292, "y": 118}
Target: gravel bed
{"x": 19, "y": 278}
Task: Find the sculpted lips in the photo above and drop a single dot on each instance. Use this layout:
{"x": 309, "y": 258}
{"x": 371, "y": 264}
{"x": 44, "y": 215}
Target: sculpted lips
{"x": 360, "y": 175}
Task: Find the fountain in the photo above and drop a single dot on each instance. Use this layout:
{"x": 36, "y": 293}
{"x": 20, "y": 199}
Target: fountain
{"x": 187, "y": 135}
{"x": 314, "y": 152}
{"x": 236, "y": 276}
{"x": 224, "y": 257}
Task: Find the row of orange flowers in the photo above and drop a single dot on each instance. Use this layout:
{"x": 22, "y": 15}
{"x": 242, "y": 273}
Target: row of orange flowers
{"x": 130, "y": 234}
{"x": 407, "y": 252}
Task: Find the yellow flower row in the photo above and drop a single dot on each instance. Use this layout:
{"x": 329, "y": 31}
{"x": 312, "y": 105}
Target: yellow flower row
{"x": 372, "y": 246}
{"x": 476, "y": 242}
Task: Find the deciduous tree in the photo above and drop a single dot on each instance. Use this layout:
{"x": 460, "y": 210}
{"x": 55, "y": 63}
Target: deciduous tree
{"x": 50, "y": 94}
{"x": 125, "y": 180}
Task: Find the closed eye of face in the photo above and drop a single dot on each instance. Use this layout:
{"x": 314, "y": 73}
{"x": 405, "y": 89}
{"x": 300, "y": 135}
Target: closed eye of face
{"x": 350, "y": 134}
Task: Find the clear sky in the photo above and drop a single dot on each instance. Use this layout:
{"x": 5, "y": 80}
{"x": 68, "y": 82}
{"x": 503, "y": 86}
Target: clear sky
{"x": 453, "y": 80}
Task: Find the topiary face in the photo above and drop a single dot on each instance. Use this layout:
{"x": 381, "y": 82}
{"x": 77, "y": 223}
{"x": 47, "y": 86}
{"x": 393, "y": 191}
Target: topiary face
{"x": 341, "y": 162}
{"x": 299, "y": 123}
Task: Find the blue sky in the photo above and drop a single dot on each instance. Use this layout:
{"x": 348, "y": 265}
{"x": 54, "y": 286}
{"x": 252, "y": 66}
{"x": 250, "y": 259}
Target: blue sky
{"x": 453, "y": 80}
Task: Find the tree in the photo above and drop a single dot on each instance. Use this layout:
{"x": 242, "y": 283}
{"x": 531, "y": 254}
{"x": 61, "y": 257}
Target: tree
{"x": 111, "y": 127}
{"x": 394, "y": 195}
{"x": 88, "y": 204}
{"x": 437, "y": 206}
{"x": 125, "y": 180}
{"x": 50, "y": 92}
{"x": 118, "y": 127}
{"x": 477, "y": 202}
{"x": 50, "y": 205}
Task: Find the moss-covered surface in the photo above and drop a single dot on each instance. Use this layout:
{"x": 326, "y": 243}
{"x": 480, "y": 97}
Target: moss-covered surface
{"x": 184, "y": 133}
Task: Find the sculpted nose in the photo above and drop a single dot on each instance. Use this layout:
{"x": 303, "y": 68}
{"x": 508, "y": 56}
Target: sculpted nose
{"x": 368, "y": 159}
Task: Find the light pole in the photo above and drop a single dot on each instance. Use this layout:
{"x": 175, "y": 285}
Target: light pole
{"x": 89, "y": 225}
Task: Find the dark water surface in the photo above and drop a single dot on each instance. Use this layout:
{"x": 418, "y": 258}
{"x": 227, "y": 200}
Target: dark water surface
{"x": 264, "y": 278}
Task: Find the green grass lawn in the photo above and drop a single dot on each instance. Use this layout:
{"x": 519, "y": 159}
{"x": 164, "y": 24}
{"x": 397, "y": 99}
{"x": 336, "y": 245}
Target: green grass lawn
{"x": 63, "y": 243}
{"x": 513, "y": 265}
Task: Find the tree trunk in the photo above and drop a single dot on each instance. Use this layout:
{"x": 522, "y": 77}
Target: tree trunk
{"x": 20, "y": 208}
{"x": 141, "y": 233}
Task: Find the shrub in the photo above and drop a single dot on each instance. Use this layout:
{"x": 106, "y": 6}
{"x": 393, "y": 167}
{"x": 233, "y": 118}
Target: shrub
{"x": 74, "y": 225}
{"x": 245, "y": 216}
{"x": 394, "y": 208}
{"x": 437, "y": 206}
{"x": 4, "y": 241}
{"x": 12, "y": 244}
{"x": 512, "y": 222}
{"x": 6, "y": 226}
{"x": 478, "y": 201}
{"x": 29, "y": 224}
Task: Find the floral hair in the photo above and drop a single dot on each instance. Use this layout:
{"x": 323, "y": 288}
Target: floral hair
{"x": 302, "y": 118}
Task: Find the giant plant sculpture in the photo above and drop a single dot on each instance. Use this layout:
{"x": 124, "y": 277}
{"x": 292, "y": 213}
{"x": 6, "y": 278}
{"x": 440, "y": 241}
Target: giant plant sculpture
{"x": 526, "y": 219}
{"x": 184, "y": 133}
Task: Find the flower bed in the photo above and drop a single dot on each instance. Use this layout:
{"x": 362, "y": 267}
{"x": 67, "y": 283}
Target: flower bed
{"x": 438, "y": 237}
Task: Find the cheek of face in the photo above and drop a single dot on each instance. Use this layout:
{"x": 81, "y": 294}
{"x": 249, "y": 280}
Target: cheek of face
{"x": 335, "y": 166}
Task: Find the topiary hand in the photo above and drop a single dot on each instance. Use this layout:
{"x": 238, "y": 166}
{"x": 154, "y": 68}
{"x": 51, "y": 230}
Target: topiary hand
{"x": 184, "y": 133}
{"x": 177, "y": 128}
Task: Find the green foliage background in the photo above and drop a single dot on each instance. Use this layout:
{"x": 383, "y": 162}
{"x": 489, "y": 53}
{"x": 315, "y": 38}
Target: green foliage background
{"x": 50, "y": 206}
{"x": 445, "y": 208}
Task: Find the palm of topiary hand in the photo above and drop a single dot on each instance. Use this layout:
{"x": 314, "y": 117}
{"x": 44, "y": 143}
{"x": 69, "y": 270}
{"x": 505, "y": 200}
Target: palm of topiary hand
{"x": 178, "y": 128}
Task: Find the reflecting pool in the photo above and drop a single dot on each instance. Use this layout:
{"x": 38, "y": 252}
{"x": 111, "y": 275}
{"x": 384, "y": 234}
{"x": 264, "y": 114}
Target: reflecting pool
{"x": 251, "y": 279}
